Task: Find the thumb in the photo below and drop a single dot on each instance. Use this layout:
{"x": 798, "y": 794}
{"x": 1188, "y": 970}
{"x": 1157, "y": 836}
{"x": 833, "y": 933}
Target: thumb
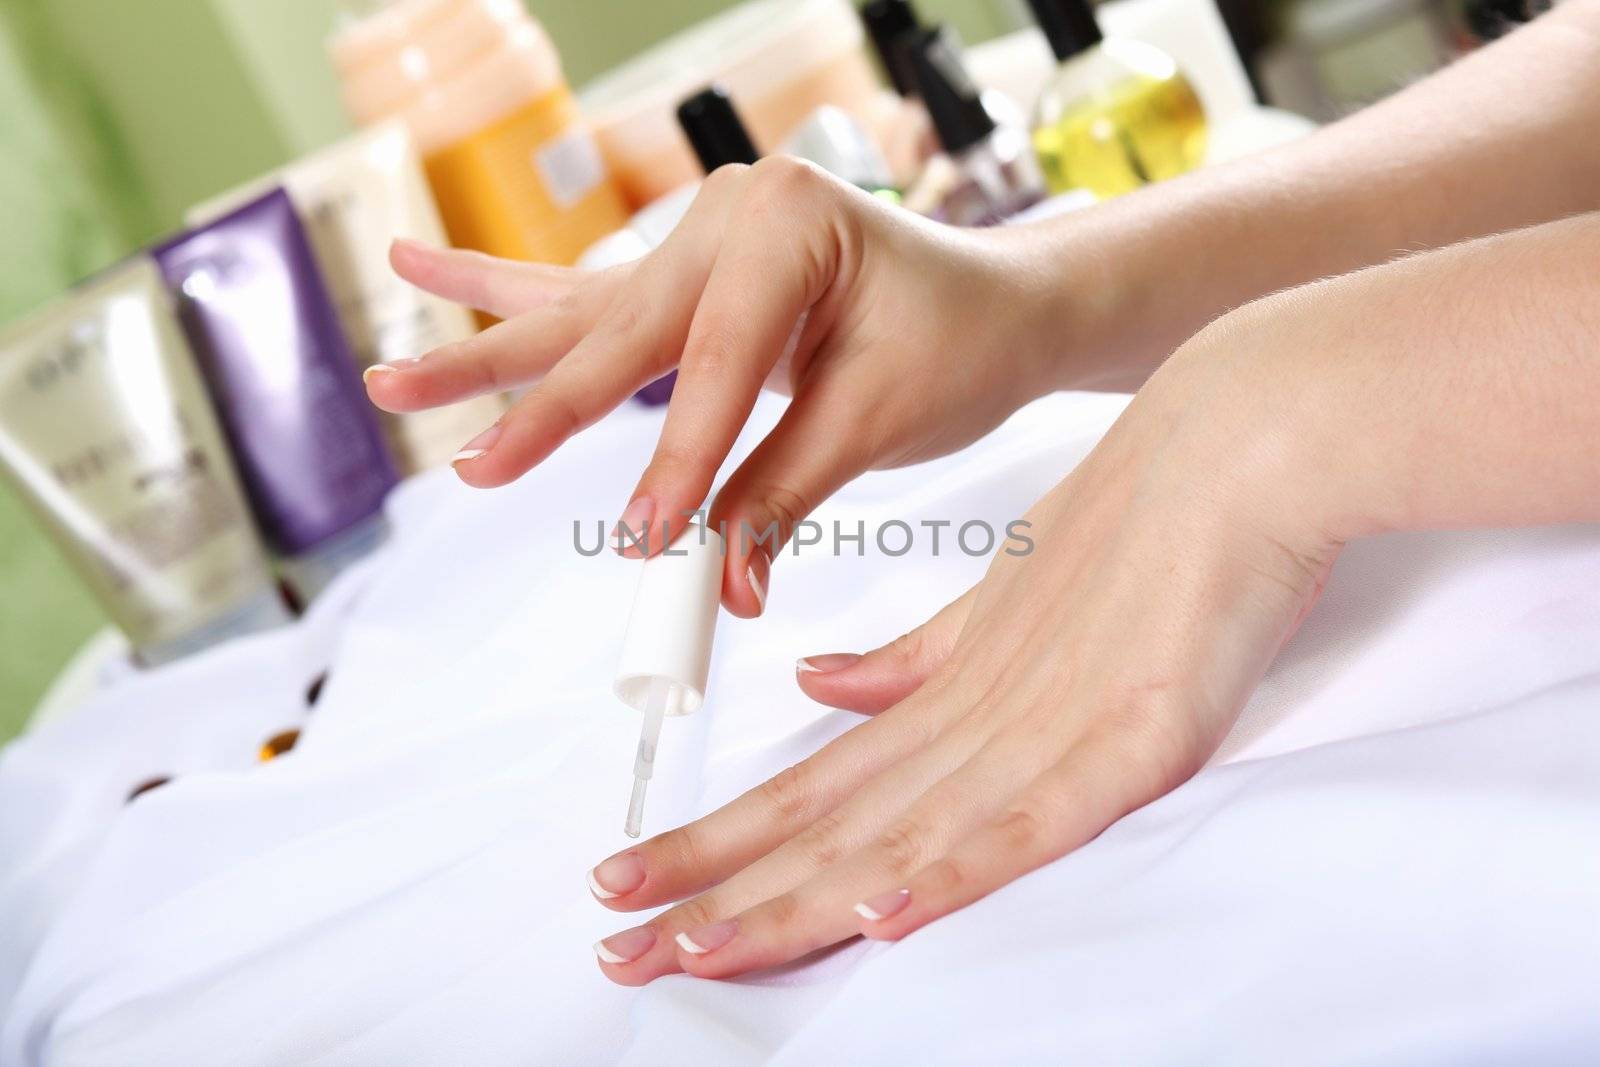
{"x": 885, "y": 676}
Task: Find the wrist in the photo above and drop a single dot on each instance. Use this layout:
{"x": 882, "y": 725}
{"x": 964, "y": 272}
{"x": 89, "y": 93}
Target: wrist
{"x": 1247, "y": 406}
{"x": 1100, "y": 298}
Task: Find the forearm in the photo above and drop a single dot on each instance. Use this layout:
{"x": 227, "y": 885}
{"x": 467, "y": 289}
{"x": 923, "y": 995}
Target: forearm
{"x": 1458, "y": 388}
{"x": 1502, "y": 139}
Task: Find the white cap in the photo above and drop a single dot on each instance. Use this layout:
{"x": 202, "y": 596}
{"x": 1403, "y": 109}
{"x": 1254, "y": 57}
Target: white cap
{"x": 618, "y": 246}
{"x": 673, "y": 621}
{"x": 834, "y": 140}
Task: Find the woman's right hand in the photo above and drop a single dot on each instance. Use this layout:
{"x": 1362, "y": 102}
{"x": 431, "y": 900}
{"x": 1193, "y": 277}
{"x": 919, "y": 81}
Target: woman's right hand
{"x": 899, "y": 339}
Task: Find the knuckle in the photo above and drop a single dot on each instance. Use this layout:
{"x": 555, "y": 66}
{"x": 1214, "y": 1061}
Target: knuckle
{"x": 692, "y": 914}
{"x": 785, "y": 177}
{"x": 782, "y": 910}
{"x": 680, "y": 849}
{"x": 901, "y": 846}
{"x": 822, "y": 843}
{"x": 472, "y": 358}
{"x": 789, "y": 792}
{"x": 942, "y": 877}
{"x": 1021, "y": 830}
{"x": 714, "y": 349}
{"x": 572, "y": 304}
{"x": 909, "y": 646}
{"x": 624, "y": 319}
{"x": 673, "y": 465}
{"x": 785, "y": 506}
{"x": 724, "y": 177}
{"x": 555, "y": 411}
{"x": 1149, "y": 738}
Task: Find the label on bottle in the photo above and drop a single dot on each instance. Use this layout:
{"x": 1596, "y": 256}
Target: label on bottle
{"x": 570, "y": 166}
{"x": 529, "y": 186}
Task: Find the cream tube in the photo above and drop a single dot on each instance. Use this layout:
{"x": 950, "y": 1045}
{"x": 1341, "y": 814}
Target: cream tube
{"x": 279, "y": 370}
{"x": 107, "y": 433}
{"x": 354, "y": 198}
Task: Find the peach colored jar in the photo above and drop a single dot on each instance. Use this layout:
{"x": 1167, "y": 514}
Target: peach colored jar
{"x": 511, "y": 161}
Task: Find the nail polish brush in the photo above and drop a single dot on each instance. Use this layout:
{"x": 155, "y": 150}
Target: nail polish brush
{"x": 666, "y": 653}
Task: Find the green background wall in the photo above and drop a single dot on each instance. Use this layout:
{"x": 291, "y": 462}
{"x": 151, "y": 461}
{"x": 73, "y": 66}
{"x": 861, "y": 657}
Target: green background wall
{"x": 115, "y": 115}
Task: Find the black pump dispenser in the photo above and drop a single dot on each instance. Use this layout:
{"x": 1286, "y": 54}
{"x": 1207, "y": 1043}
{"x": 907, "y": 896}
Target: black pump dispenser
{"x": 888, "y": 23}
{"x": 1069, "y": 25}
{"x": 953, "y": 101}
{"x": 714, "y": 129}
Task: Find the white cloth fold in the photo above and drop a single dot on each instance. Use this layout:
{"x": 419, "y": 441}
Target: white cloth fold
{"x": 1395, "y": 857}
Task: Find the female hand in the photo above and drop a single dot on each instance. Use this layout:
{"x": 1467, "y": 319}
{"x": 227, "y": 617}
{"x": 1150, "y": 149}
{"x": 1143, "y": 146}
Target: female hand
{"x": 899, "y": 339}
{"x": 1070, "y": 686}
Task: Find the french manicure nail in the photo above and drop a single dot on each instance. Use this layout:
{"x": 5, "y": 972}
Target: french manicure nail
{"x": 627, "y": 946}
{"x": 755, "y": 587}
{"x": 707, "y": 938}
{"x": 478, "y": 445}
{"x": 633, "y": 529}
{"x": 617, "y": 876}
{"x": 884, "y": 905}
{"x": 833, "y": 661}
{"x": 380, "y": 369}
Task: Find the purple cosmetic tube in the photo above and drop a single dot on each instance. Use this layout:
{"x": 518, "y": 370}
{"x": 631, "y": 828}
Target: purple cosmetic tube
{"x": 280, "y": 372}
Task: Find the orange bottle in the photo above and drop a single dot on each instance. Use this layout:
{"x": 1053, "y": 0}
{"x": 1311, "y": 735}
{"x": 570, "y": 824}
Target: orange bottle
{"x": 512, "y": 163}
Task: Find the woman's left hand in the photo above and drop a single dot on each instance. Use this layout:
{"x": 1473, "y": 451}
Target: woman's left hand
{"x": 1069, "y": 687}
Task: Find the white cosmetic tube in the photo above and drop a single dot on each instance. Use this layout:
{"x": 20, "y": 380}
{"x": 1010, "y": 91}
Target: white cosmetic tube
{"x": 107, "y": 433}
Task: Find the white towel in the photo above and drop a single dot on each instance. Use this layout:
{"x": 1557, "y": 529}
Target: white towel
{"x": 1395, "y": 858}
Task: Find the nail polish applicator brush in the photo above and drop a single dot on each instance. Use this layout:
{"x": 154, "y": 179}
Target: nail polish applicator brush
{"x": 666, "y": 653}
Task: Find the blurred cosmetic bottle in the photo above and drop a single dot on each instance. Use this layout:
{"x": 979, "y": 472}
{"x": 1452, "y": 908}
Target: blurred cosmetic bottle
{"x": 354, "y": 198}
{"x": 512, "y": 163}
{"x": 987, "y": 171}
{"x": 1117, "y": 114}
{"x": 107, "y": 432}
{"x": 278, "y": 367}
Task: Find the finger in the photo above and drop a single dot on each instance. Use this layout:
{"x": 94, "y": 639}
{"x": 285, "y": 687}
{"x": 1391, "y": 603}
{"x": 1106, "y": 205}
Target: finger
{"x": 635, "y": 340}
{"x": 702, "y": 853}
{"x": 800, "y": 463}
{"x": 504, "y": 288}
{"x": 772, "y": 266}
{"x": 508, "y": 355}
{"x": 737, "y": 840}
{"x": 1105, "y": 776}
{"x": 972, "y": 782}
{"x": 880, "y": 679}
{"x": 801, "y": 856}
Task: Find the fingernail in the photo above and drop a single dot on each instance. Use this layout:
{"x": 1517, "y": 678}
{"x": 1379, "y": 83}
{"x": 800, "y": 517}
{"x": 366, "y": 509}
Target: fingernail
{"x": 478, "y": 445}
{"x": 618, "y": 875}
{"x": 380, "y": 369}
{"x": 633, "y": 529}
{"x": 758, "y": 573}
{"x": 833, "y": 661}
{"x": 755, "y": 587}
{"x": 884, "y": 905}
{"x": 626, "y": 946}
{"x": 707, "y": 938}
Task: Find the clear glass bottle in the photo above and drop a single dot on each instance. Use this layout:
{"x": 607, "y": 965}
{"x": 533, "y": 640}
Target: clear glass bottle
{"x": 987, "y": 171}
{"x": 1118, "y": 114}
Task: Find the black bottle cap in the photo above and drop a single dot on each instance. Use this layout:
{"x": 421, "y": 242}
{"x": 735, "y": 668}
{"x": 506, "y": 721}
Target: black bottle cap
{"x": 953, "y": 102}
{"x": 888, "y": 22}
{"x": 714, "y": 130}
{"x": 1068, "y": 25}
